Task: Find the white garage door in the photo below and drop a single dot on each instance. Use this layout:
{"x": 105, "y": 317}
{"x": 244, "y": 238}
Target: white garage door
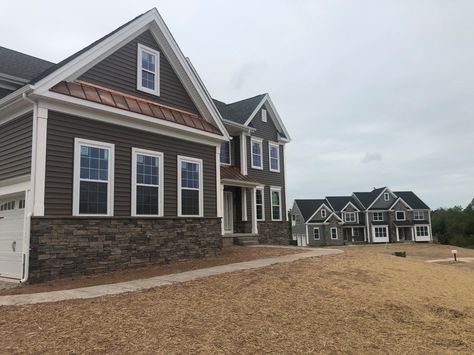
{"x": 12, "y": 221}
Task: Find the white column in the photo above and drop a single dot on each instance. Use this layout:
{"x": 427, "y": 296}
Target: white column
{"x": 398, "y": 234}
{"x": 40, "y": 161}
{"x": 243, "y": 153}
{"x": 219, "y": 189}
{"x": 254, "y": 210}
{"x": 243, "y": 192}
{"x": 429, "y": 226}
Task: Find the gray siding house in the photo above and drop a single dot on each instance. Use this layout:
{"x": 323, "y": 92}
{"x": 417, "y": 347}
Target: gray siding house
{"x": 378, "y": 216}
{"x": 118, "y": 156}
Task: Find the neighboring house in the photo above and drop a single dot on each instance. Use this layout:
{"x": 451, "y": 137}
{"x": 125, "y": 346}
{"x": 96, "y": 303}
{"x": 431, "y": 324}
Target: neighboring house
{"x": 379, "y": 216}
{"x": 118, "y": 156}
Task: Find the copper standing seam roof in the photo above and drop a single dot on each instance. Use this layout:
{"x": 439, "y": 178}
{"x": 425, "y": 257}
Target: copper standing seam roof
{"x": 91, "y": 92}
{"x": 233, "y": 173}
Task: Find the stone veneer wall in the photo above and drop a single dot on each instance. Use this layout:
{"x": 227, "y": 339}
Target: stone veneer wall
{"x": 242, "y": 227}
{"x": 273, "y": 233}
{"x": 63, "y": 247}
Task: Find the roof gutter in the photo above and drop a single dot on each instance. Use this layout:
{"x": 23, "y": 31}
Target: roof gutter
{"x": 15, "y": 96}
{"x": 239, "y": 126}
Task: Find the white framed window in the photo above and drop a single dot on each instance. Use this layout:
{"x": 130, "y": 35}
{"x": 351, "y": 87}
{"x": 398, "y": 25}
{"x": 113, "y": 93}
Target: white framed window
{"x": 377, "y": 216}
{"x": 323, "y": 213}
{"x": 21, "y": 204}
{"x": 349, "y": 216}
{"x": 8, "y": 206}
{"x": 333, "y": 233}
{"x": 256, "y": 153}
{"x": 147, "y": 183}
{"x": 260, "y": 203}
{"x": 264, "y": 115}
{"x": 190, "y": 187}
{"x": 422, "y": 231}
{"x": 386, "y": 196}
{"x": 400, "y": 215}
{"x": 148, "y": 70}
{"x": 93, "y": 192}
{"x": 316, "y": 235}
{"x": 381, "y": 232}
{"x": 275, "y": 195}
{"x": 419, "y": 215}
{"x": 225, "y": 153}
{"x": 274, "y": 157}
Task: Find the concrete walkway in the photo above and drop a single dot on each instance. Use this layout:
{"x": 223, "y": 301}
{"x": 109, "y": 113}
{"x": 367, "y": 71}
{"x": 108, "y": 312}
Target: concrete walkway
{"x": 137, "y": 285}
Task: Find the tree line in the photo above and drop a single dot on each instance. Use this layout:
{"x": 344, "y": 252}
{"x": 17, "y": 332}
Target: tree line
{"x": 454, "y": 225}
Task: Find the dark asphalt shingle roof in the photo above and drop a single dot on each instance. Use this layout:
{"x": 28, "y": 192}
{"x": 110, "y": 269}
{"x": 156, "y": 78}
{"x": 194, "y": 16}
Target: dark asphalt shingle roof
{"x": 308, "y": 207}
{"x": 339, "y": 202}
{"x": 368, "y": 197}
{"x": 21, "y": 65}
{"x": 238, "y": 111}
{"x": 413, "y": 200}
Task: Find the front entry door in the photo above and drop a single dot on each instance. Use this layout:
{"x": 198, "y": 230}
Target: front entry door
{"x": 228, "y": 212}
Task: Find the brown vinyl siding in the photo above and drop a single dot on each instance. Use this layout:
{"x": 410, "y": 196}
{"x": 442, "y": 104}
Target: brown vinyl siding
{"x": 119, "y": 71}
{"x": 63, "y": 128}
{"x": 268, "y": 132}
{"x": 15, "y": 147}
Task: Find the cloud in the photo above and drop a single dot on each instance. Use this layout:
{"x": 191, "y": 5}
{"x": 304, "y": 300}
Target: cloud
{"x": 371, "y": 158}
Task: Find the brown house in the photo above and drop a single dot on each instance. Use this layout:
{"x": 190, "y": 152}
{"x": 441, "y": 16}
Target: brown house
{"x": 118, "y": 156}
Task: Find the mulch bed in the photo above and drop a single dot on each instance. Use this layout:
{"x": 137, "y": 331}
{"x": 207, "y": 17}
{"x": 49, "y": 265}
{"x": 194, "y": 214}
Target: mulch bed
{"x": 233, "y": 254}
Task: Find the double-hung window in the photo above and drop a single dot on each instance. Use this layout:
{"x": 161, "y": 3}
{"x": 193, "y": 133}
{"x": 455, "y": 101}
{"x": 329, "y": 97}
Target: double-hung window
{"x": 400, "y": 215}
{"x": 316, "y": 233}
{"x": 349, "y": 217}
{"x": 225, "y": 153}
{"x": 377, "y": 216}
{"x": 274, "y": 157}
{"x": 93, "y": 178}
{"x": 147, "y": 183}
{"x": 333, "y": 233}
{"x": 419, "y": 215}
{"x": 148, "y": 70}
{"x": 190, "y": 187}
{"x": 260, "y": 203}
{"x": 256, "y": 153}
{"x": 276, "y": 203}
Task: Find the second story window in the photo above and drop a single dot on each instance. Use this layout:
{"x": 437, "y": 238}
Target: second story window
{"x": 256, "y": 153}
{"x": 148, "y": 70}
{"x": 418, "y": 215}
{"x": 400, "y": 215}
{"x": 377, "y": 216}
{"x": 225, "y": 153}
{"x": 274, "y": 157}
{"x": 349, "y": 217}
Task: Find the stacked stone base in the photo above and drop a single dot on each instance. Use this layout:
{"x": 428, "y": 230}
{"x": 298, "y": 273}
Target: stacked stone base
{"x": 275, "y": 233}
{"x": 64, "y": 247}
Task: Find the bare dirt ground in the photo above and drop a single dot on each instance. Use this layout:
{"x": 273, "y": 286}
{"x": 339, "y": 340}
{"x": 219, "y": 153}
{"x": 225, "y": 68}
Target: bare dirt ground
{"x": 364, "y": 301}
{"x": 233, "y": 254}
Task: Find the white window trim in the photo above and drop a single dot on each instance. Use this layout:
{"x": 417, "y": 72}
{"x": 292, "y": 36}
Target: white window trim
{"x": 386, "y": 196}
{"x": 335, "y": 229}
{"x": 260, "y": 142}
{"x": 352, "y": 214}
{"x": 201, "y": 195}
{"x": 377, "y": 219}
{"x": 415, "y": 213}
{"x": 140, "y": 49}
{"x": 260, "y": 188}
{"x": 404, "y": 215}
{"x": 230, "y": 154}
{"x": 159, "y": 155}
{"x": 384, "y": 227}
{"x": 77, "y": 175}
{"x": 264, "y": 115}
{"x": 319, "y": 235}
{"x": 424, "y": 226}
{"x": 277, "y": 146}
{"x": 275, "y": 189}
{"x": 323, "y": 213}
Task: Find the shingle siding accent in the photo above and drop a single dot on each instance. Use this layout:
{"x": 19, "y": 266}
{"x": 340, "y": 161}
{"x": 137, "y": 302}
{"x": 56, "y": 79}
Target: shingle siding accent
{"x": 15, "y": 147}
{"x": 63, "y": 128}
{"x": 119, "y": 71}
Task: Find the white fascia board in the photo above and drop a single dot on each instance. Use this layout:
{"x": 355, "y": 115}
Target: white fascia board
{"x": 246, "y": 129}
{"x": 95, "y": 111}
{"x": 15, "y": 96}
{"x": 350, "y": 203}
{"x": 333, "y": 213}
{"x": 401, "y": 200}
{"x": 314, "y": 214}
{"x": 273, "y": 113}
{"x": 149, "y": 21}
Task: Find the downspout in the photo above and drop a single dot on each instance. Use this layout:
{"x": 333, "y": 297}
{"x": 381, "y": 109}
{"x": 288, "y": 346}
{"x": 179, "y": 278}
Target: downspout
{"x": 31, "y": 196}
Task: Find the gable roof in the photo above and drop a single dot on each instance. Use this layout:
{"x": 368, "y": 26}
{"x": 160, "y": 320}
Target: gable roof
{"x": 308, "y": 207}
{"x": 239, "y": 111}
{"x": 412, "y": 199}
{"x": 367, "y": 198}
{"x": 339, "y": 202}
{"x": 21, "y": 65}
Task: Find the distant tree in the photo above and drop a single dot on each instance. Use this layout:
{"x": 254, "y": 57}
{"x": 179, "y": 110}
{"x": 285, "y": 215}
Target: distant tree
{"x": 454, "y": 225}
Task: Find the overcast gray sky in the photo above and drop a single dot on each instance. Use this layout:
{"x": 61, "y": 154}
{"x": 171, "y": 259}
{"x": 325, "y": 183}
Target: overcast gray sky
{"x": 374, "y": 93}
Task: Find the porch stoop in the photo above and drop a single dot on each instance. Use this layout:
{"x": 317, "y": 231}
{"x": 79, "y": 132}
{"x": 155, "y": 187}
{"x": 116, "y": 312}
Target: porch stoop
{"x": 242, "y": 239}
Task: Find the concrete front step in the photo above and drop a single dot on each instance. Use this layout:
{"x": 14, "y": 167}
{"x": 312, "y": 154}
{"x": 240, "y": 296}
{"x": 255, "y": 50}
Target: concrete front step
{"x": 246, "y": 240}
